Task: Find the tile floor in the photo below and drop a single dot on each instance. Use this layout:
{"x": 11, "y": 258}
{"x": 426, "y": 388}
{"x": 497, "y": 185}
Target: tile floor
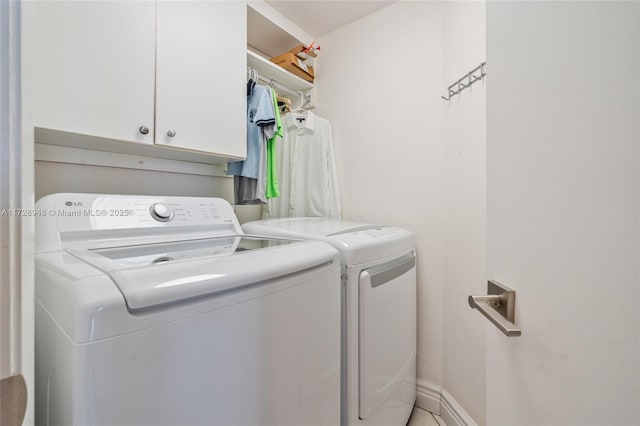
{"x": 421, "y": 417}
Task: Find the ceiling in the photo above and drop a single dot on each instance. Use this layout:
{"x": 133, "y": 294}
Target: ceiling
{"x": 319, "y": 17}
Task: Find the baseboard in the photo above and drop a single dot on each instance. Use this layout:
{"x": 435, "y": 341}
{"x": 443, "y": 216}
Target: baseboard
{"x": 452, "y": 412}
{"x": 435, "y": 399}
{"x": 428, "y": 396}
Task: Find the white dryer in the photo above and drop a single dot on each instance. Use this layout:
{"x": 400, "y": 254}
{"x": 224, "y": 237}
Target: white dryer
{"x": 156, "y": 310}
{"x": 379, "y": 313}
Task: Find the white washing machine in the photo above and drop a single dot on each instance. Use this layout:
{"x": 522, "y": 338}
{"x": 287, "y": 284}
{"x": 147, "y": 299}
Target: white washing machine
{"x": 379, "y": 317}
{"x": 158, "y": 311}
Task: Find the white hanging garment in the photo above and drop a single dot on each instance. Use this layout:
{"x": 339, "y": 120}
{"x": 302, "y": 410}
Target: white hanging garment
{"x": 307, "y": 173}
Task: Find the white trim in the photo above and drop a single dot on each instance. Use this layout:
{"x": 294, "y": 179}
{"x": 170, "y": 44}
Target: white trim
{"x": 435, "y": 399}
{"x": 11, "y": 315}
{"x": 452, "y": 412}
{"x": 65, "y": 154}
{"x": 27, "y": 260}
{"x": 428, "y": 396}
{"x": 16, "y": 192}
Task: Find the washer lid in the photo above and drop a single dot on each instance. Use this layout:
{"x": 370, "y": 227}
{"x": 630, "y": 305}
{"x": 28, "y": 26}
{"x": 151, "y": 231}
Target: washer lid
{"x": 157, "y": 274}
{"x": 357, "y": 242}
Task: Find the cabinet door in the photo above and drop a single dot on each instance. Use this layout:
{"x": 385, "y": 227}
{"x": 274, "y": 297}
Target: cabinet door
{"x": 201, "y": 76}
{"x": 93, "y": 68}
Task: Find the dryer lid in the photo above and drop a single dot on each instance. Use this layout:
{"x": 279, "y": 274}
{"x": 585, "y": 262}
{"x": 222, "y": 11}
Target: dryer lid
{"x": 357, "y": 242}
{"x": 319, "y": 226}
{"x": 158, "y": 274}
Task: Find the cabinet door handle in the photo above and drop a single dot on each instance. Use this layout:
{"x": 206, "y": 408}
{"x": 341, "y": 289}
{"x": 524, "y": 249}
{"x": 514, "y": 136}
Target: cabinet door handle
{"x": 171, "y": 133}
{"x": 144, "y": 130}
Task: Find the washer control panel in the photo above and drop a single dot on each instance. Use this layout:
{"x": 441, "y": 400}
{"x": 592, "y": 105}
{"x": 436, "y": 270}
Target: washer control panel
{"x": 68, "y": 220}
{"x": 90, "y": 212}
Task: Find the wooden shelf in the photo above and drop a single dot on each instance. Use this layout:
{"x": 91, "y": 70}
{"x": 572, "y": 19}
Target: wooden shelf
{"x": 270, "y": 70}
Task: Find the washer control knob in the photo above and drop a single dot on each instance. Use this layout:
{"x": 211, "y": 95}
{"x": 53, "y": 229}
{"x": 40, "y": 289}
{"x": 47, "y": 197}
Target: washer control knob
{"x": 161, "y": 212}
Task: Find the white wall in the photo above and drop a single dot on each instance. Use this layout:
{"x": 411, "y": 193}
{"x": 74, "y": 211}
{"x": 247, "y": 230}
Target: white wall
{"x": 465, "y": 207}
{"x": 379, "y": 83}
{"x": 53, "y": 177}
{"x": 563, "y": 136}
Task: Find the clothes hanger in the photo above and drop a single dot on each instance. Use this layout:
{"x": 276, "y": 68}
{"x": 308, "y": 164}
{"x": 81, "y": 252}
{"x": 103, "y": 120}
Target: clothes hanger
{"x": 251, "y": 82}
{"x": 284, "y": 104}
{"x": 300, "y": 108}
{"x": 300, "y": 114}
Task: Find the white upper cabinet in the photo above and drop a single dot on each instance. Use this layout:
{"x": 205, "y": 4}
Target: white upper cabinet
{"x": 139, "y": 71}
{"x": 201, "y": 76}
{"x": 93, "y": 68}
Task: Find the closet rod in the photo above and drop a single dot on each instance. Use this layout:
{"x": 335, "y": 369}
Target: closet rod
{"x": 274, "y": 83}
{"x": 466, "y": 81}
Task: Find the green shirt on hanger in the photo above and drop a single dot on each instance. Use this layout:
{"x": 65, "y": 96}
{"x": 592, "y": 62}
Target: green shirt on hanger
{"x": 272, "y": 189}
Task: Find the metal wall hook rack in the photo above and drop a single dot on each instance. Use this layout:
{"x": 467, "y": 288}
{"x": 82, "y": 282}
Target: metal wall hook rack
{"x": 476, "y": 74}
